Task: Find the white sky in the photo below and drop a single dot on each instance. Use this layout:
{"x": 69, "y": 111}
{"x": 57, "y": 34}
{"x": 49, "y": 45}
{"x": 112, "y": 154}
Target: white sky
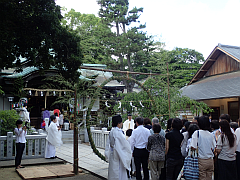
{"x": 193, "y": 24}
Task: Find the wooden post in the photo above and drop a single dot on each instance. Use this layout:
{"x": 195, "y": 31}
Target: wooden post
{"x": 75, "y": 156}
{"x": 169, "y": 105}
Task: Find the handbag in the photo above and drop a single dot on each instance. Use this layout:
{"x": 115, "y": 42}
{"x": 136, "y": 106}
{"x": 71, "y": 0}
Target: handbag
{"x": 190, "y": 169}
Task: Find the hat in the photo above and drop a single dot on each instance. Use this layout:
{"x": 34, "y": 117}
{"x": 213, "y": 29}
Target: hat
{"x": 129, "y": 114}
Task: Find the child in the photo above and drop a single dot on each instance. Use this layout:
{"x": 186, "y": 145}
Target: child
{"x": 20, "y": 133}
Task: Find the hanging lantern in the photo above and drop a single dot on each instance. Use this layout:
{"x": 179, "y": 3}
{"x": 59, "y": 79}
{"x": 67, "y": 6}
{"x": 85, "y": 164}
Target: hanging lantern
{"x": 41, "y": 93}
{"x": 36, "y": 93}
{"x": 47, "y": 93}
{"x": 54, "y": 93}
{"x": 30, "y": 92}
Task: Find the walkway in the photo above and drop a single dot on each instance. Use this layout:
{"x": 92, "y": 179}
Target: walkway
{"x": 87, "y": 158}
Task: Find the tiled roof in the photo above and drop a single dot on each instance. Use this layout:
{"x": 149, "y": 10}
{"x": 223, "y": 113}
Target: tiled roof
{"x": 233, "y": 50}
{"x": 214, "y": 87}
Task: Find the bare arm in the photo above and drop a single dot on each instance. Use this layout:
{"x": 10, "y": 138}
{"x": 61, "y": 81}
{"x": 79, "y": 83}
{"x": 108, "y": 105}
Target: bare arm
{"x": 167, "y": 146}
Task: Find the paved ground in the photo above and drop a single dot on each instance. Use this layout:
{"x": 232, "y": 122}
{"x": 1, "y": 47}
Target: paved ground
{"x": 7, "y": 169}
{"x": 88, "y": 160}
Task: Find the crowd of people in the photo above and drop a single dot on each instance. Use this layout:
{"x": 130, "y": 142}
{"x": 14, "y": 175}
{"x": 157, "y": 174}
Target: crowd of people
{"x": 142, "y": 145}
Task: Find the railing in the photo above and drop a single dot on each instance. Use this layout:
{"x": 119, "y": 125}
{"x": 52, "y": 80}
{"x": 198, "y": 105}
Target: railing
{"x": 100, "y": 137}
{"x": 35, "y": 146}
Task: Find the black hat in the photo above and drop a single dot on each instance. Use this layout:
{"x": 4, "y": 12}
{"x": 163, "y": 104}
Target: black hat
{"x": 19, "y": 122}
{"x": 116, "y": 120}
{"x": 129, "y": 114}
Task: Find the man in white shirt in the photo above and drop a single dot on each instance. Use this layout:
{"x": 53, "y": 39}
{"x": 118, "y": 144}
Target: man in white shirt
{"x": 139, "y": 140}
{"x": 128, "y": 124}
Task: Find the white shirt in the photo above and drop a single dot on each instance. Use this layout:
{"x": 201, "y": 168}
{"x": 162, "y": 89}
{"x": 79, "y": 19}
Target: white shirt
{"x": 206, "y": 143}
{"x": 139, "y": 137}
{"x": 237, "y": 133}
{"x": 20, "y": 135}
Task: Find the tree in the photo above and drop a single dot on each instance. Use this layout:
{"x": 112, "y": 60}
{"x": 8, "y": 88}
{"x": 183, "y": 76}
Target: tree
{"x": 32, "y": 30}
{"x": 159, "y": 90}
{"x": 127, "y": 40}
{"x": 91, "y": 31}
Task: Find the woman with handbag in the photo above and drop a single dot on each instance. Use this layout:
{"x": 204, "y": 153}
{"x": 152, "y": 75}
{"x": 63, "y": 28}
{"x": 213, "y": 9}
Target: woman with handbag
{"x": 226, "y": 148}
{"x": 204, "y": 141}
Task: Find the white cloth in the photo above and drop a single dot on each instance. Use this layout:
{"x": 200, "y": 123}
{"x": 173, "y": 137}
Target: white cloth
{"x": 24, "y": 114}
{"x": 237, "y": 133}
{"x": 184, "y": 144}
{"x": 61, "y": 119}
{"x": 20, "y": 135}
{"x": 50, "y": 150}
{"x": 54, "y": 135}
{"x": 58, "y": 120}
{"x": 118, "y": 154}
{"x": 139, "y": 137}
{"x": 206, "y": 143}
{"x": 133, "y": 164}
{"x": 128, "y": 125}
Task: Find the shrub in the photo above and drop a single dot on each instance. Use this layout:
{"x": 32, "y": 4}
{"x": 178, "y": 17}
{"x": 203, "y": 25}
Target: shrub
{"x": 9, "y": 118}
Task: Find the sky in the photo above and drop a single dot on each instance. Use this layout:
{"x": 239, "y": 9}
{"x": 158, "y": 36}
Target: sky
{"x": 193, "y": 24}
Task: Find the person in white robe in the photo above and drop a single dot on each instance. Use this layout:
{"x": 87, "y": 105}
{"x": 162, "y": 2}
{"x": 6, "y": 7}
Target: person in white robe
{"x": 118, "y": 152}
{"x": 54, "y": 138}
{"x": 128, "y": 124}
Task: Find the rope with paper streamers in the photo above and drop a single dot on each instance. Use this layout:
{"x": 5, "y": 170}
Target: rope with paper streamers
{"x": 119, "y": 78}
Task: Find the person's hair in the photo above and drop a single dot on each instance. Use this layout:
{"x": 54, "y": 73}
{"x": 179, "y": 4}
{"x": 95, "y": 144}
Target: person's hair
{"x": 117, "y": 119}
{"x": 214, "y": 124}
{"x": 146, "y": 121}
{"x": 155, "y": 120}
{"x": 204, "y": 123}
{"x": 226, "y": 117}
{"x": 225, "y": 128}
{"x": 169, "y": 123}
{"x": 52, "y": 117}
{"x": 139, "y": 120}
{"x": 196, "y": 118}
{"x": 233, "y": 125}
{"x": 56, "y": 114}
{"x": 187, "y": 124}
{"x": 19, "y": 122}
{"x": 156, "y": 128}
{"x": 184, "y": 120}
{"x": 129, "y": 132}
{"x": 177, "y": 124}
{"x": 192, "y": 128}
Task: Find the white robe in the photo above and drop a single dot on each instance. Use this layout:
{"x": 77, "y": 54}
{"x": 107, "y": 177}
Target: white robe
{"x": 128, "y": 125}
{"x": 118, "y": 154}
{"x": 54, "y": 138}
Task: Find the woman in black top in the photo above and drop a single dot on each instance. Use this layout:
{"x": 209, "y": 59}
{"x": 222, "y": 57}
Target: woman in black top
{"x": 174, "y": 161}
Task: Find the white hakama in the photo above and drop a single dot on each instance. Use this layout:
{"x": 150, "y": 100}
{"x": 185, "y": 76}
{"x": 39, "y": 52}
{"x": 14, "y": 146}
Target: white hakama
{"x": 50, "y": 150}
{"x": 54, "y": 138}
{"x": 118, "y": 154}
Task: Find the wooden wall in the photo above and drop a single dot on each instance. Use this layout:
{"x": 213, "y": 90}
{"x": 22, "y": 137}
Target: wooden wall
{"x": 223, "y": 64}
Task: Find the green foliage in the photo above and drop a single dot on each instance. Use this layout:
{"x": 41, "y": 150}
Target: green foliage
{"x": 18, "y": 86}
{"x": 1, "y": 91}
{"x": 9, "y": 118}
{"x": 32, "y": 30}
{"x": 159, "y": 90}
{"x": 91, "y": 31}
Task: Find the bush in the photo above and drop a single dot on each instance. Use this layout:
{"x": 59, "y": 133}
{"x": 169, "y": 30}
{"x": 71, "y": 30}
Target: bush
{"x": 9, "y": 118}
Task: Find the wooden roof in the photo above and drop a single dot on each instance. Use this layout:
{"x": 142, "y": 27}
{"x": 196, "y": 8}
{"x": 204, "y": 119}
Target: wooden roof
{"x": 233, "y": 52}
